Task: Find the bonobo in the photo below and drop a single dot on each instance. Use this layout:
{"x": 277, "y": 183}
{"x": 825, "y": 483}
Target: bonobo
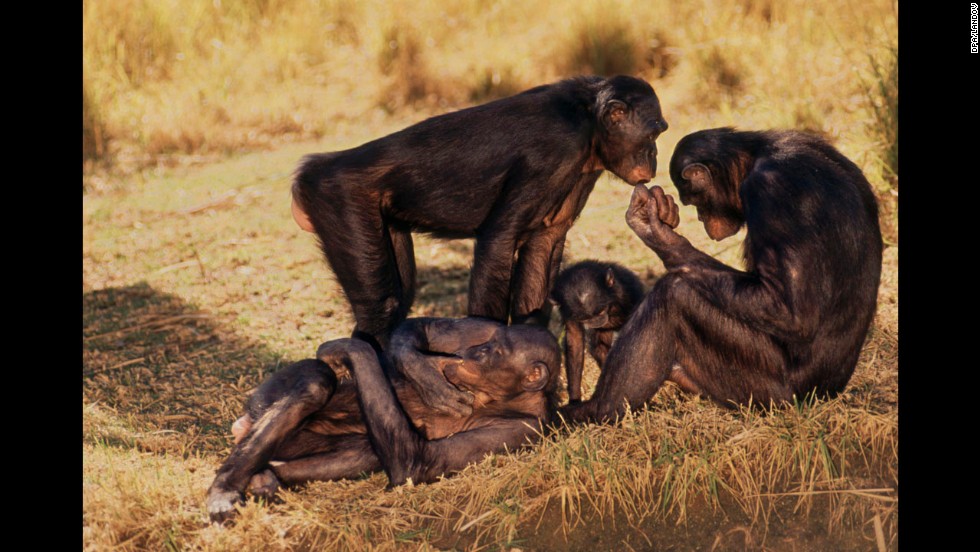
{"x": 594, "y": 299}
{"x": 304, "y": 424}
{"x": 513, "y": 173}
{"x": 793, "y": 322}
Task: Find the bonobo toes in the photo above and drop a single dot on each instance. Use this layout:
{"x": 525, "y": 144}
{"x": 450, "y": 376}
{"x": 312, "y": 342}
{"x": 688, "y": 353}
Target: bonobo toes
{"x": 222, "y": 504}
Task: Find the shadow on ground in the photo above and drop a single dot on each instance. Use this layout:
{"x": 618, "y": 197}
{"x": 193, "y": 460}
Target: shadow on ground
{"x": 160, "y": 374}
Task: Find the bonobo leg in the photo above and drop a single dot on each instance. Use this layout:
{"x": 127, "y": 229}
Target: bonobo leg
{"x": 278, "y": 407}
{"x": 675, "y": 325}
{"x": 344, "y": 457}
{"x": 599, "y": 345}
{"x": 539, "y": 258}
{"x": 374, "y": 263}
{"x": 537, "y": 267}
{"x": 404, "y": 252}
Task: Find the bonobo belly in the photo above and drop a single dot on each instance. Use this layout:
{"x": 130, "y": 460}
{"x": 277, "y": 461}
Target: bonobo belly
{"x": 342, "y": 415}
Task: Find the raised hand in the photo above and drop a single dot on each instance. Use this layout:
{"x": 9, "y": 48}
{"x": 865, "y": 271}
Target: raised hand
{"x": 653, "y": 215}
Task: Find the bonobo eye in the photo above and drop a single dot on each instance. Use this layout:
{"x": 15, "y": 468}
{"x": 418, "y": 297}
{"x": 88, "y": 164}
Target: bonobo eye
{"x": 482, "y": 353}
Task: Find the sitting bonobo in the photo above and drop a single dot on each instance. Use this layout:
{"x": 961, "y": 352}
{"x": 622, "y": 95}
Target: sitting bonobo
{"x": 302, "y": 424}
{"x": 595, "y": 300}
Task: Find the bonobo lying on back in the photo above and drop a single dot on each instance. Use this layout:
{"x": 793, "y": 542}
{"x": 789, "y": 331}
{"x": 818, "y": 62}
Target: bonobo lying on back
{"x": 304, "y": 424}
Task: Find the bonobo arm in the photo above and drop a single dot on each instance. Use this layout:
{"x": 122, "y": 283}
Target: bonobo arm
{"x": 421, "y": 347}
{"x": 539, "y": 259}
{"x": 574, "y": 359}
{"x": 404, "y": 454}
{"x": 762, "y": 299}
{"x": 515, "y": 212}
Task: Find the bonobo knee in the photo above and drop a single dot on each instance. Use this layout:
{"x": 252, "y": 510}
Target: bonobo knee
{"x": 307, "y": 380}
{"x": 670, "y": 286}
{"x": 340, "y": 354}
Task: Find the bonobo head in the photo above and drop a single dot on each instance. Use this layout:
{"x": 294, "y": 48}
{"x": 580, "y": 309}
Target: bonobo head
{"x": 515, "y": 360}
{"x": 599, "y": 295}
{"x": 629, "y": 122}
{"x": 707, "y": 168}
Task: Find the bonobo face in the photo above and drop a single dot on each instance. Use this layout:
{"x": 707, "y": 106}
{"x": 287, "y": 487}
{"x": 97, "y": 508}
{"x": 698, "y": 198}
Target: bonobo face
{"x": 705, "y": 171}
{"x": 629, "y": 124}
{"x": 516, "y": 359}
{"x": 591, "y": 306}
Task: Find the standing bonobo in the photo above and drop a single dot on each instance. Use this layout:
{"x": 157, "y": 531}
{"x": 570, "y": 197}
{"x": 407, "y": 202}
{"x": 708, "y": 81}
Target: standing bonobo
{"x": 595, "y": 300}
{"x": 302, "y": 424}
{"x": 794, "y": 320}
{"x": 513, "y": 173}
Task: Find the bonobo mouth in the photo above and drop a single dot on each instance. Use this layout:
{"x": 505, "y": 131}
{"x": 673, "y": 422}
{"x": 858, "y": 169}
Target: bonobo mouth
{"x": 641, "y": 174}
{"x": 596, "y": 322}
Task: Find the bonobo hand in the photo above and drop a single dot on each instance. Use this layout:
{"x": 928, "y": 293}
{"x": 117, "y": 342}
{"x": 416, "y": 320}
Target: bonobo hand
{"x": 337, "y": 354}
{"x": 436, "y": 392}
{"x": 653, "y": 215}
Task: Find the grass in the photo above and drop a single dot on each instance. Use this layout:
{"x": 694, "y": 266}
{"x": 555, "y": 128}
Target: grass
{"x": 197, "y": 283}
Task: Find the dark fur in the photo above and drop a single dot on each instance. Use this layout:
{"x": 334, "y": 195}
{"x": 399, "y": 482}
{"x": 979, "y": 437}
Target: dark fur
{"x": 306, "y": 425}
{"x": 794, "y": 321}
{"x": 513, "y": 173}
{"x": 595, "y": 299}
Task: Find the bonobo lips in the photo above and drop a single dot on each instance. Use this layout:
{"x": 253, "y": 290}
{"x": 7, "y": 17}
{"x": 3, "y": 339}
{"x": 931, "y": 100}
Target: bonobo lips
{"x": 641, "y": 174}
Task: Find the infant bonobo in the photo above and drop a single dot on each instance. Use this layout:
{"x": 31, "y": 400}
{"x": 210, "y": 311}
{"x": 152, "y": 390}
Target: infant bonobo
{"x": 594, "y": 299}
{"x": 303, "y": 424}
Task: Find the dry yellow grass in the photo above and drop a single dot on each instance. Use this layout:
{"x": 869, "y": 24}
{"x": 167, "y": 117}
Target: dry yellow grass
{"x": 197, "y": 282}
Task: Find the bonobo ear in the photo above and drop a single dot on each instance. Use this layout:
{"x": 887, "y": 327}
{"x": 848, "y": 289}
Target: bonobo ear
{"x": 610, "y": 277}
{"x": 536, "y": 377}
{"x": 697, "y": 174}
{"x": 616, "y": 112}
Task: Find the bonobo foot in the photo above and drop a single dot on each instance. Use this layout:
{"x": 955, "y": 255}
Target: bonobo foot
{"x": 222, "y": 504}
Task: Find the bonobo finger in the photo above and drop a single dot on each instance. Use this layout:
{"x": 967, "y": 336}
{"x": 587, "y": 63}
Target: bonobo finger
{"x": 639, "y": 202}
{"x": 449, "y": 400}
{"x": 462, "y": 410}
{"x": 662, "y": 204}
{"x": 458, "y": 408}
{"x": 674, "y": 217}
{"x": 640, "y": 195}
